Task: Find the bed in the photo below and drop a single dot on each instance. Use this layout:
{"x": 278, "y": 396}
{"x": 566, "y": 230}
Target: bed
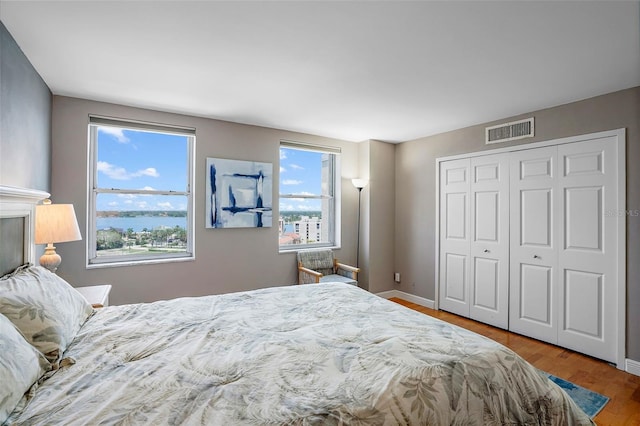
{"x": 327, "y": 353}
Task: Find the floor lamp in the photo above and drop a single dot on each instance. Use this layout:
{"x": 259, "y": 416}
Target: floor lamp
{"x": 359, "y": 184}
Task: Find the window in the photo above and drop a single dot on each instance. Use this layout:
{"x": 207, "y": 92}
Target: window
{"x": 309, "y": 196}
{"x": 140, "y": 200}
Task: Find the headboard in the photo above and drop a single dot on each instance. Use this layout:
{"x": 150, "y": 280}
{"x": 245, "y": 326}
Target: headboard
{"x": 17, "y": 211}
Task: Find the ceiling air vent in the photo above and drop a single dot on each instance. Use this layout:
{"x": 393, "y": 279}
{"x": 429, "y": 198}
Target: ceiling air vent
{"x": 510, "y": 131}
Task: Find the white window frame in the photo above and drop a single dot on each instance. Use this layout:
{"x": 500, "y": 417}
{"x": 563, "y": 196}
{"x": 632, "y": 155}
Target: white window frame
{"x": 93, "y": 261}
{"x": 334, "y": 223}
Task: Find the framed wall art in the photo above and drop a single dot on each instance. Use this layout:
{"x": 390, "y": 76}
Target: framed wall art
{"x": 239, "y": 194}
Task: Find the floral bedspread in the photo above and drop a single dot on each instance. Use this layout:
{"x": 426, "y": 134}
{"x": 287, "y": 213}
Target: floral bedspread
{"x": 300, "y": 355}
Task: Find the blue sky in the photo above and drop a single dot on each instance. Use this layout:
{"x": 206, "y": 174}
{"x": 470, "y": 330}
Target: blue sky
{"x": 131, "y": 159}
{"x": 300, "y": 174}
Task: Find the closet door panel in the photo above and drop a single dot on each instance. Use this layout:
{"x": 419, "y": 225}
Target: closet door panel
{"x": 583, "y": 303}
{"x": 489, "y": 280}
{"x": 486, "y": 284}
{"x": 587, "y": 253}
{"x": 536, "y": 211}
{"x": 454, "y": 236}
{"x": 486, "y": 215}
{"x": 455, "y": 279}
{"x": 535, "y": 285}
{"x": 583, "y": 219}
{"x": 533, "y": 243}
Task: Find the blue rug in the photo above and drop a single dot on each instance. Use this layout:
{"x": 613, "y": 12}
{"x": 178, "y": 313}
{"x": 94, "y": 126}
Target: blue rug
{"x": 590, "y": 402}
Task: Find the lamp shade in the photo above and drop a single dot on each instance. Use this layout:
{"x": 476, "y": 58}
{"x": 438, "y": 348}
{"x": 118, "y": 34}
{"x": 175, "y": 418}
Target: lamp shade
{"x": 359, "y": 183}
{"x": 56, "y": 223}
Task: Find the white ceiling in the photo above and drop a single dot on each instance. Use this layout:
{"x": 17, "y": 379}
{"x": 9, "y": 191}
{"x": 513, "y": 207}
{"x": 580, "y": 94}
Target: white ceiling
{"x": 385, "y": 70}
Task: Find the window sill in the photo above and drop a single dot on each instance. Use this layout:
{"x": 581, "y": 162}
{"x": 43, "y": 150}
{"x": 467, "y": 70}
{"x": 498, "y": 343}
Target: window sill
{"x": 129, "y": 262}
{"x": 306, "y": 247}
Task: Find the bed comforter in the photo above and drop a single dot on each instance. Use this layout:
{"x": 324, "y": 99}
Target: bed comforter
{"x": 301, "y": 355}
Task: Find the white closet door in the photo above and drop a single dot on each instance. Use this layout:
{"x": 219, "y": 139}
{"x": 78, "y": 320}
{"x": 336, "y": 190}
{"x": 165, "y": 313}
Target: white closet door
{"x": 588, "y": 252}
{"x": 489, "y": 260}
{"x": 454, "y": 236}
{"x": 533, "y": 236}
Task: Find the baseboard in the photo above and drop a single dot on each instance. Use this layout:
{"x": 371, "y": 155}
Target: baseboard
{"x": 632, "y": 367}
{"x": 427, "y": 303}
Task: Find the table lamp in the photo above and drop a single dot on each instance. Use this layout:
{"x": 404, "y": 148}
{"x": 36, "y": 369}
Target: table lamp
{"x": 55, "y": 223}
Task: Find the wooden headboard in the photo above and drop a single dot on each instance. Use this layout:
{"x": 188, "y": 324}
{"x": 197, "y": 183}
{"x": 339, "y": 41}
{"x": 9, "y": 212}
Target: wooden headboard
{"x": 17, "y": 212}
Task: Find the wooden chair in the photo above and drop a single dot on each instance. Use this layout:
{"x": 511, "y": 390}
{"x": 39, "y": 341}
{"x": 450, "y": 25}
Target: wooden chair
{"x": 318, "y": 266}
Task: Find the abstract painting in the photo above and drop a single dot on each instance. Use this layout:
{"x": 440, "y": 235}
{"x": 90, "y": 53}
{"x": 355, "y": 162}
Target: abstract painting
{"x": 239, "y": 194}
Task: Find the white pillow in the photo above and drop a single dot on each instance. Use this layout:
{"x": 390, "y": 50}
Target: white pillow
{"x": 45, "y": 308}
{"x": 21, "y": 365}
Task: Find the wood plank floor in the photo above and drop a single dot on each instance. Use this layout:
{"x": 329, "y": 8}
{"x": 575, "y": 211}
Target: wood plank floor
{"x": 623, "y": 389}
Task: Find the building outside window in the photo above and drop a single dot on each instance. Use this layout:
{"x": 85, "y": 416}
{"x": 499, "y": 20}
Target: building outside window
{"x": 140, "y": 200}
{"x": 309, "y": 188}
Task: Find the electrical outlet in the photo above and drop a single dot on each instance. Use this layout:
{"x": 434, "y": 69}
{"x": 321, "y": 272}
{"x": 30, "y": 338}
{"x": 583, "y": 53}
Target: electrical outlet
{"x": 396, "y": 277}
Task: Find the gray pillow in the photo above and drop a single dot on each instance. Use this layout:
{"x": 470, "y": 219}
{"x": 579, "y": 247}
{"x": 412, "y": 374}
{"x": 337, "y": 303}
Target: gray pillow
{"x": 21, "y": 365}
{"x": 45, "y": 308}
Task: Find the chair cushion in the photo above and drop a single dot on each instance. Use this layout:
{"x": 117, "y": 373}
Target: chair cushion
{"x": 317, "y": 260}
{"x": 338, "y": 278}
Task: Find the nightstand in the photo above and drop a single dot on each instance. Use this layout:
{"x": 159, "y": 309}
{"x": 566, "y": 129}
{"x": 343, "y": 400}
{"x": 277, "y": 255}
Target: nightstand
{"x": 97, "y": 295}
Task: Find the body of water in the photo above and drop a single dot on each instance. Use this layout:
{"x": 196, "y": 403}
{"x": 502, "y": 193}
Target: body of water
{"x": 140, "y": 222}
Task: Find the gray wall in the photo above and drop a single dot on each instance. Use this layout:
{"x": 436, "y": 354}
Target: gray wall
{"x": 226, "y": 259}
{"x": 364, "y": 172}
{"x": 381, "y": 208}
{"x": 25, "y": 120}
{"x": 415, "y": 236}
{"x": 376, "y": 163}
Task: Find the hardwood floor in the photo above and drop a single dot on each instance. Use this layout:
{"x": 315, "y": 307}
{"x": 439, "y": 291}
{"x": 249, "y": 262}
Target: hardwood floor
{"x": 623, "y": 389}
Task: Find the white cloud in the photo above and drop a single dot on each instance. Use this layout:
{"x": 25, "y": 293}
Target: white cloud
{"x": 128, "y": 196}
{"x": 296, "y": 167}
{"x": 283, "y": 155}
{"x": 113, "y": 204}
{"x": 282, "y": 169}
{"x": 291, "y": 182}
{"x": 304, "y": 205}
{"x": 166, "y": 205}
{"x": 112, "y": 171}
{"x": 116, "y": 132}
{"x": 298, "y": 204}
{"x": 286, "y": 207}
{"x": 120, "y": 173}
{"x": 149, "y": 171}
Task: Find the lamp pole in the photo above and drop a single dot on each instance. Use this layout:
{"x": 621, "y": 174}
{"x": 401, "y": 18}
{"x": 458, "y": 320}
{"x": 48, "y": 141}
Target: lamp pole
{"x": 359, "y": 184}
{"x": 358, "y": 233}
